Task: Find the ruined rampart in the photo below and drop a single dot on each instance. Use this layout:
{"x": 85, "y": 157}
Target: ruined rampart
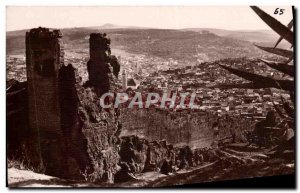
{"x": 181, "y": 128}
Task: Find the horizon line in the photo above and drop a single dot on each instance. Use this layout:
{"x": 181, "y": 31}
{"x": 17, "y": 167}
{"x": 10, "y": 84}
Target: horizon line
{"x": 140, "y": 27}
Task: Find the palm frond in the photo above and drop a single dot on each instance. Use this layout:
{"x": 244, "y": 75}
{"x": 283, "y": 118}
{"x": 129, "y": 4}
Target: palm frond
{"x": 277, "y": 51}
{"x": 282, "y": 67}
{"x": 274, "y": 24}
{"x": 261, "y": 81}
{"x": 289, "y": 26}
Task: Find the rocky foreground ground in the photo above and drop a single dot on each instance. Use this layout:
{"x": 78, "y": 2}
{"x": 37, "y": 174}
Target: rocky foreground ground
{"x": 232, "y": 162}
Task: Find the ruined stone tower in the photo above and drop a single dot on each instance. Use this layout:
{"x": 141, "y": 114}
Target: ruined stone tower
{"x": 44, "y": 57}
{"x": 71, "y": 134}
{"x": 101, "y": 126}
{"x": 98, "y": 64}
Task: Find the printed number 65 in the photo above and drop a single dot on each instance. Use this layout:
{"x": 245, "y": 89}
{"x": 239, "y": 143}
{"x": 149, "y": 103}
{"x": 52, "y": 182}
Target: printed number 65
{"x": 278, "y": 11}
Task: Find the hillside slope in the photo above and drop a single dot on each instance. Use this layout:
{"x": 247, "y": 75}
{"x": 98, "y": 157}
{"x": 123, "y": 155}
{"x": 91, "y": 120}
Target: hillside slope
{"x": 177, "y": 44}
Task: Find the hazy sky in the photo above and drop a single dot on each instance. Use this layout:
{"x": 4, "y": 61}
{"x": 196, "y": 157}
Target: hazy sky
{"x": 232, "y": 18}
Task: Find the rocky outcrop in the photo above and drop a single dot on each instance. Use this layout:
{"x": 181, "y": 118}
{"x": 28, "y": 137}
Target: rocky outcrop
{"x": 99, "y": 127}
{"x": 138, "y": 155}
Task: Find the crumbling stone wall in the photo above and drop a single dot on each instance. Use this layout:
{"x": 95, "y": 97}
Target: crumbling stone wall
{"x": 181, "y": 128}
{"x": 73, "y": 136}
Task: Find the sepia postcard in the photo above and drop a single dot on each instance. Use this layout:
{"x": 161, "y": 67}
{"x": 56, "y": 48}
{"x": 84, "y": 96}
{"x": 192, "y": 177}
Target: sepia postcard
{"x": 150, "y": 96}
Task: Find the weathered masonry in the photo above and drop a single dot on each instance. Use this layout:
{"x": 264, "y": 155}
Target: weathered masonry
{"x": 71, "y": 136}
{"x": 97, "y": 65}
{"x": 44, "y": 58}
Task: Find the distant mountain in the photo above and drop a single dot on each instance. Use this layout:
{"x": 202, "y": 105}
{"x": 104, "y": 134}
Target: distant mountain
{"x": 260, "y": 36}
{"x": 108, "y": 26}
{"x": 113, "y": 26}
{"x": 185, "y": 45}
